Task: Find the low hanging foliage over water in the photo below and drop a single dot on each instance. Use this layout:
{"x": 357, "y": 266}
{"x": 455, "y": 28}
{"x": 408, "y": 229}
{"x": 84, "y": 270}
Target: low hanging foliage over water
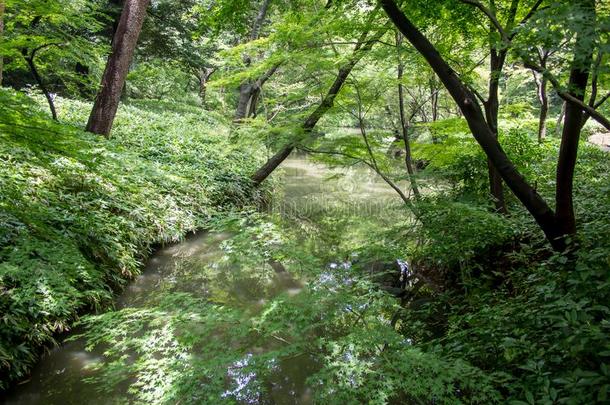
{"x": 79, "y": 214}
{"x": 304, "y": 202}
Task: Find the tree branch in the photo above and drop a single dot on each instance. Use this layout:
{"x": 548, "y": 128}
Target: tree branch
{"x": 492, "y": 17}
{"x": 589, "y": 110}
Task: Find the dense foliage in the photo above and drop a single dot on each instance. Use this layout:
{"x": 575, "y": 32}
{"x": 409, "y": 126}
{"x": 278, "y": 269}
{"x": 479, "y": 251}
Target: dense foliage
{"x": 437, "y": 231}
{"x": 79, "y": 214}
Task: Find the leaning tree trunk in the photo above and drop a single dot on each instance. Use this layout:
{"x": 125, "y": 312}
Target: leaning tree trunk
{"x": 30, "y": 60}
{"x": 364, "y": 45}
{"x": 574, "y": 115}
{"x": 311, "y": 121}
{"x": 467, "y": 102}
{"x": 117, "y": 67}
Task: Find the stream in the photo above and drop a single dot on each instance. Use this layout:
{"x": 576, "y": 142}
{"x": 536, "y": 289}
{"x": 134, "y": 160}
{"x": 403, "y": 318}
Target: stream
{"x": 307, "y": 188}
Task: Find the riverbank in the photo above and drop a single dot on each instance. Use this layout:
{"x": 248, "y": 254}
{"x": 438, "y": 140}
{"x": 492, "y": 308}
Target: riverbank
{"x": 480, "y": 310}
{"x": 79, "y": 213}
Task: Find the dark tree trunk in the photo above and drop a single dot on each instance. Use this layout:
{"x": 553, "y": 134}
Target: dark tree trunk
{"x": 260, "y": 19}
{"x": 481, "y": 131}
{"x": 404, "y": 122}
{"x": 574, "y": 115}
{"x": 593, "y": 103}
{"x": 30, "y": 59}
{"x": 243, "y": 105}
{"x": 492, "y": 107}
{"x": 254, "y": 98}
{"x": 249, "y": 93}
{"x": 117, "y": 67}
{"x": 363, "y": 46}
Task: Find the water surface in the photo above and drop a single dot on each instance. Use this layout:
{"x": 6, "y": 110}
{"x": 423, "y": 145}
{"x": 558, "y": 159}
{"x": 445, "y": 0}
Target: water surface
{"x": 308, "y": 188}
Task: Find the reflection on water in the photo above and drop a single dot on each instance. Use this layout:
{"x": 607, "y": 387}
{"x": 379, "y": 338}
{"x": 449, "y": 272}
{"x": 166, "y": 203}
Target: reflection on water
{"x": 196, "y": 265}
{"x": 58, "y": 378}
{"x": 312, "y": 188}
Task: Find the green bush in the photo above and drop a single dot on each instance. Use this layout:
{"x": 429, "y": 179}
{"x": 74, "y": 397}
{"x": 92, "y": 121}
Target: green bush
{"x": 541, "y": 331}
{"x": 457, "y": 158}
{"x": 79, "y": 213}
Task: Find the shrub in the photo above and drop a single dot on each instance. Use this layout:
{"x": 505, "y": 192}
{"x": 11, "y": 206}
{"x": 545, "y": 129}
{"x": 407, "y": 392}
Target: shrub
{"x": 79, "y": 213}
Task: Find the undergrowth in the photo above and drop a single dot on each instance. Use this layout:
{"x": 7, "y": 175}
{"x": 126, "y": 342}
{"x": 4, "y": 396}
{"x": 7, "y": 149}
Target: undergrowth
{"x": 79, "y": 213}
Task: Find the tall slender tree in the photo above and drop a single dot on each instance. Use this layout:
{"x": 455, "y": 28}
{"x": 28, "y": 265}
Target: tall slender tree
{"x": 405, "y": 122}
{"x": 117, "y": 67}
{"x": 557, "y": 226}
{"x": 249, "y": 91}
{"x": 498, "y": 52}
{"x": 574, "y": 117}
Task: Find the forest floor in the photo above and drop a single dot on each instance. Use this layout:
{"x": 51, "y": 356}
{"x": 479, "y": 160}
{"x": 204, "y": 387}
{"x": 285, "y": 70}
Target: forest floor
{"x": 79, "y": 213}
{"x": 486, "y": 306}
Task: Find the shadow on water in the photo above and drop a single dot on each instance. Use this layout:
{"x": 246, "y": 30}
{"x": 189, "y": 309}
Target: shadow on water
{"x": 59, "y": 378}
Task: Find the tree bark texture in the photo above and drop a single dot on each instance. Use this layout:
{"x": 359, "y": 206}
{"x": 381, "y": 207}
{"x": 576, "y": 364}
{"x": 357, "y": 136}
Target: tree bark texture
{"x": 574, "y": 116}
{"x": 481, "y": 131}
{"x": 249, "y": 94}
{"x": 249, "y": 91}
{"x": 117, "y": 67}
{"x": 492, "y": 107}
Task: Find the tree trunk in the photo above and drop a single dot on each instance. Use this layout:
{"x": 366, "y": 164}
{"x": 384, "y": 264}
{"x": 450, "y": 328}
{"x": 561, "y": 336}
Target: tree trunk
{"x": 434, "y": 99}
{"x": 203, "y": 89}
{"x": 492, "y": 107}
{"x": 404, "y": 122}
{"x": 541, "y": 90}
{"x": 541, "y": 86}
{"x": 253, "y": 103}
{"x": 30, "y": 59}
{"x": 481, "y": 131}
{"x": 364, "y": 45}
{"x": 248, "y": 91}
{"x": 245, "y": 91}
{"x": 203, "y": 76}
{"x": 260, "y": 19}
{"x": 117, "y": 67}
{"x": 579, "y": 77}
{"x": 559, "y": 125}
